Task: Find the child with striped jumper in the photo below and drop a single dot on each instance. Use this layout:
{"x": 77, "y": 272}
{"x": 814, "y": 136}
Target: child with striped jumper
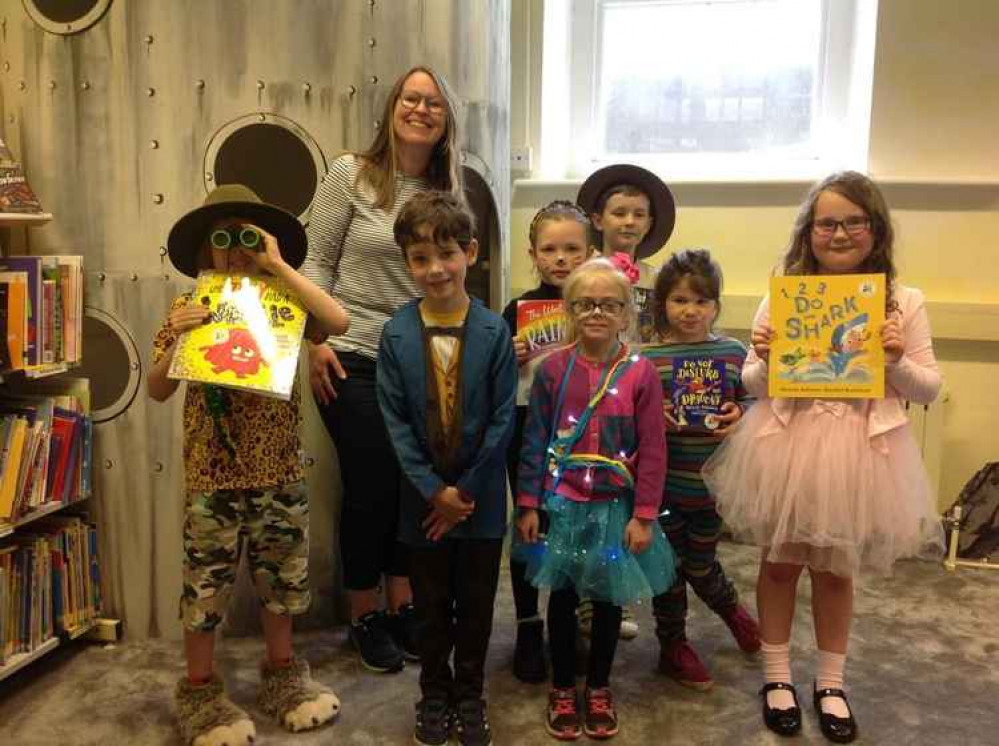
{"x": 686, "y": 304}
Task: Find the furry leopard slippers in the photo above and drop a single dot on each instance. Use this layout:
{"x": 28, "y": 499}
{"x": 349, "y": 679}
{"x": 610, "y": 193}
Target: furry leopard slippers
{"x": 298, "y": 702}
{"x": 207, "y": 717}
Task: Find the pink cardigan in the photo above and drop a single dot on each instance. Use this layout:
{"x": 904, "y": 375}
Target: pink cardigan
{"x": 915, "y": 377}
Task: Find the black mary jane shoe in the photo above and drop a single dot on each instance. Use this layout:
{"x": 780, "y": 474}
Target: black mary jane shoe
{"x": 786, "y": 722}
{"x": 836, "y": 729}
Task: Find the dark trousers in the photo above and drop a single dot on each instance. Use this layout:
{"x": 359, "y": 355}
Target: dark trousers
{"x": 371, "y": 477}
{"x": 562, "y": 631}
{"x": 525, "y": 595}
{"x": 454, "y": 589}
{"x": 693, "y": 532}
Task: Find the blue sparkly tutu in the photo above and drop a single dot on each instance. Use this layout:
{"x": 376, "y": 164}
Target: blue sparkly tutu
{"x": 584, "y": 549}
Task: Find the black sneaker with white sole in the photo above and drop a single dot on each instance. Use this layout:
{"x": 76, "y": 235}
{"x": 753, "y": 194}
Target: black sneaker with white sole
{"x": 471, "y": 723}
{"x": 433, "y": 722}
{"x": 404, "y": 626}
{"x": 371, "y": 637}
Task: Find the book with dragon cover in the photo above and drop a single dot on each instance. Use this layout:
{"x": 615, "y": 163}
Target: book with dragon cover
{"x": 828, "y": 336}
{"x": 252, "y": 339}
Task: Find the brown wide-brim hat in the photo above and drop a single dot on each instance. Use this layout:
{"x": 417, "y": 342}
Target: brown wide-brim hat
{"x": 660, "y": 200}
{"x": 187, "y": 237}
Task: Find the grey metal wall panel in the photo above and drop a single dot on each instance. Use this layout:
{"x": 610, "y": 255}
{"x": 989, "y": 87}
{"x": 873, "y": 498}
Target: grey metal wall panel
{"x": 112, "y": 126}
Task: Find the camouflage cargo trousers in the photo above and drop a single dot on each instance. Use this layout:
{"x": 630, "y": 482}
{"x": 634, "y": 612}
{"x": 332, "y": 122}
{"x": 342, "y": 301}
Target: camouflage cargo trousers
{"x": 275, "y": 524}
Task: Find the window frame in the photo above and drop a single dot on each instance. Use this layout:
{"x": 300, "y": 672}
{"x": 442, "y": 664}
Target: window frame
{"x": 570, "y": 127}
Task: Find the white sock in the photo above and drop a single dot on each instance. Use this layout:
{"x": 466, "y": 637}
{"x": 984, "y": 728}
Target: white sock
{"x": 777, "y": 667}
{"x": 829, "y": 675}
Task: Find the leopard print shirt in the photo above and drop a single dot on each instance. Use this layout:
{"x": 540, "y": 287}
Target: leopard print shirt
{"x": 263, "y": 430}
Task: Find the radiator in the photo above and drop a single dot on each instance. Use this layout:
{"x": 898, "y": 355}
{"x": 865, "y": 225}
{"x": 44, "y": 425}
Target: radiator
{"x": 927, "y": 421}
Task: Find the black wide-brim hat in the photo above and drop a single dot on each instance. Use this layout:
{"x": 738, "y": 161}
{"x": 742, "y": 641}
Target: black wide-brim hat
{"x": 187, "y": 237}
{"x": 660, "y": 200}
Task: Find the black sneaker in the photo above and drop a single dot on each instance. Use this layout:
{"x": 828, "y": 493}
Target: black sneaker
{"x": 405, "y": 630}
{"x": 529, "y": 653}
{"x": 472, "y": 724}
{"x": 378, "y": 650}
{"x": 433, "y": 722}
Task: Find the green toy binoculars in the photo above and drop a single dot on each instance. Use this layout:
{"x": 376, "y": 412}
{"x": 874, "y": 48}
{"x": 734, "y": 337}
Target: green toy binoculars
{"x": 233, "y": 238}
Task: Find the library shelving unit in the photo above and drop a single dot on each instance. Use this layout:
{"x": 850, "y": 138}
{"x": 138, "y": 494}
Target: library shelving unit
{"x": 9, "y": 382}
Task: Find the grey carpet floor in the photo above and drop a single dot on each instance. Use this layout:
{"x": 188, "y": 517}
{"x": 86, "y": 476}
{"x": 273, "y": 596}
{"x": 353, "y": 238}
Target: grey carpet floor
{"x": 922, "y": 670}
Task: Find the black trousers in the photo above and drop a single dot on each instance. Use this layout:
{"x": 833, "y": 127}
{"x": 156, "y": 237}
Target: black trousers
{"x": 562, "y": 631}
{"x": 454, "y": 588}
{"x": 371, "y": 477}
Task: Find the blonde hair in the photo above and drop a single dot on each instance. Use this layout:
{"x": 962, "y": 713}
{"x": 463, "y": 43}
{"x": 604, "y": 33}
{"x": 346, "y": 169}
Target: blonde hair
{"x": 590, "y": 270}
{"x": 378, "y": 166}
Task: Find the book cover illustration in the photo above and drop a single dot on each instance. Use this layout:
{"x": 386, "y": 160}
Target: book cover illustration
{"x": 828, "y": 336}
{"x": 542, "y": 326}
{"x": 252, "y": 340}
{"x": 15, "y": 194}
{"x": 697, "y": 391}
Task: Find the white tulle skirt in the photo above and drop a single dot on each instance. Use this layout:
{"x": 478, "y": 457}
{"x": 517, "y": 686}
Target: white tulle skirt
{"x": 820, "y": 492}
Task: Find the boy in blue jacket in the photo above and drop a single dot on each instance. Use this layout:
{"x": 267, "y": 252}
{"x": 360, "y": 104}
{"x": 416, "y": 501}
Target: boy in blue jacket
{"x": 446, "y": 383}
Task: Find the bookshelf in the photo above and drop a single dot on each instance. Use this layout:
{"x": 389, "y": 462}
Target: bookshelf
{"x": 49, "y": 571}
{"x": 19, "y": 219}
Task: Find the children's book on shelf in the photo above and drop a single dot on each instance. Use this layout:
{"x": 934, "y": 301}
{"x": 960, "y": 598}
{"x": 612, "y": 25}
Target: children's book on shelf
{"x": 15, "y": 195}
{"x": 828, "y": 336}
{"x": 542, "y": 326}
{"x": 253, "y": 337}
{"x": 697, "y": 392}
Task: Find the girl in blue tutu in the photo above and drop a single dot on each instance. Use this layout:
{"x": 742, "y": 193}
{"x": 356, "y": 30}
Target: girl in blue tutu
{"x": 594, "y": 458}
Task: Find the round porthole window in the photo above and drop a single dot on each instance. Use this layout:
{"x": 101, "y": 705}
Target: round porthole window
{"x": 272, "y": 155}
{"x": 66, "y": 16}
{"x": 111, "y": 362}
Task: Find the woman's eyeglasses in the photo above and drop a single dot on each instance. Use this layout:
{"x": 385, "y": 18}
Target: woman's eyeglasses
{"x": 607, "y": 306}
{"x": 411, "y": 99}
{"x": 855, "y": 225}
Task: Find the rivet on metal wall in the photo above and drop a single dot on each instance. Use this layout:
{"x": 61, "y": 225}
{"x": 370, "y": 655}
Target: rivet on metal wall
{"x": 101, "y": 276}
{"x": 149, "y": 38}
{"x": 154, "y": 144}
{"x": 199, "y": 84}
{"x": 6, "y": 67}
{"x": 163, "y": 250}
{"x": 310, "y": 462}
{"x": 261, "y": 85}
{"x": 150, "y": 92}
{"x": 134, "y": 365}
{"x": 351, "y": 90}
{"x": 133, "y": 277}
{"x": 158, "y": 466}
{"x": 371, "y": 41}
{"x": 378, "y": 123}
{"x": 108, "y": 463}
{"x": 306, "y": 88}
{"x": 21, "y": 85}
{"x": 209, "y": 176}
{"x": 158, "y": 199}
{"x": 85, "y": 85}
{"x": 373, "y": 79}
{"x": 52, "y": 85}
{"x": 261, "y": 117}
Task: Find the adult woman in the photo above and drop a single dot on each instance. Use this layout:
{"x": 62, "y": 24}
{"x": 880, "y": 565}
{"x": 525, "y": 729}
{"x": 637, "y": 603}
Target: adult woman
{"x": 353, "y": 255}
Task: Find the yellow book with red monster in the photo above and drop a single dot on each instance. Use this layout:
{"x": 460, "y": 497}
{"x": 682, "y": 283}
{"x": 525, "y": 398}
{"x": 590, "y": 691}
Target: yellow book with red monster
{"x": 252, "y": 339}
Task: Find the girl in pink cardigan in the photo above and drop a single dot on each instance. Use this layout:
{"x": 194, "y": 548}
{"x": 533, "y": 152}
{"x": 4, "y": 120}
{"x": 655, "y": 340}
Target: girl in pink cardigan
{"x": 834, "y": 485}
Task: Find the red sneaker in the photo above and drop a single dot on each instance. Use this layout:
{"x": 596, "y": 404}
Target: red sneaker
{"x": 744, "y": 628}
{"x": 601, "y": 717}
{"x": 679, "y": 661}
{"x": 562, "y": 719}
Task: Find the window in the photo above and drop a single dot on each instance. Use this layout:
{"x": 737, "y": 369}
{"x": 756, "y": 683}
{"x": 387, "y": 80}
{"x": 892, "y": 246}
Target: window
{"x": 707, "y": 88}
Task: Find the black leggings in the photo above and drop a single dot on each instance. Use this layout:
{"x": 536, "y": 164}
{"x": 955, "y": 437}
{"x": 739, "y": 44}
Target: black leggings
{"x": 371, "y": 477}
{"x": 562, "y": 630}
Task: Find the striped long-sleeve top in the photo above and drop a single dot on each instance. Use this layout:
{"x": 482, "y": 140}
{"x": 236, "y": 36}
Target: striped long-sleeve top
{"x": 353, "y": 254}
{"x": 689, "y": 450}
{"x": 627, "y": 425}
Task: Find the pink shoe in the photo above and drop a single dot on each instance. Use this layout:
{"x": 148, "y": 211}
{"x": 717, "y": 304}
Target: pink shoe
{"x": 744, "y": 628}
{"x": 679, "y": 661}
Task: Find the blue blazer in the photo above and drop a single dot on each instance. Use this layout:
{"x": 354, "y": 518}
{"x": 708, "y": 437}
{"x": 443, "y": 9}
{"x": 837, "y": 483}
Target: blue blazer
{"x": 489, "y": 390}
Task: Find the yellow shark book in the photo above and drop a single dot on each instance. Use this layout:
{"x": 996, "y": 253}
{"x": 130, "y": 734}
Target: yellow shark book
{"x": 252, "y": 339}
{"x": 828, "y": 336}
